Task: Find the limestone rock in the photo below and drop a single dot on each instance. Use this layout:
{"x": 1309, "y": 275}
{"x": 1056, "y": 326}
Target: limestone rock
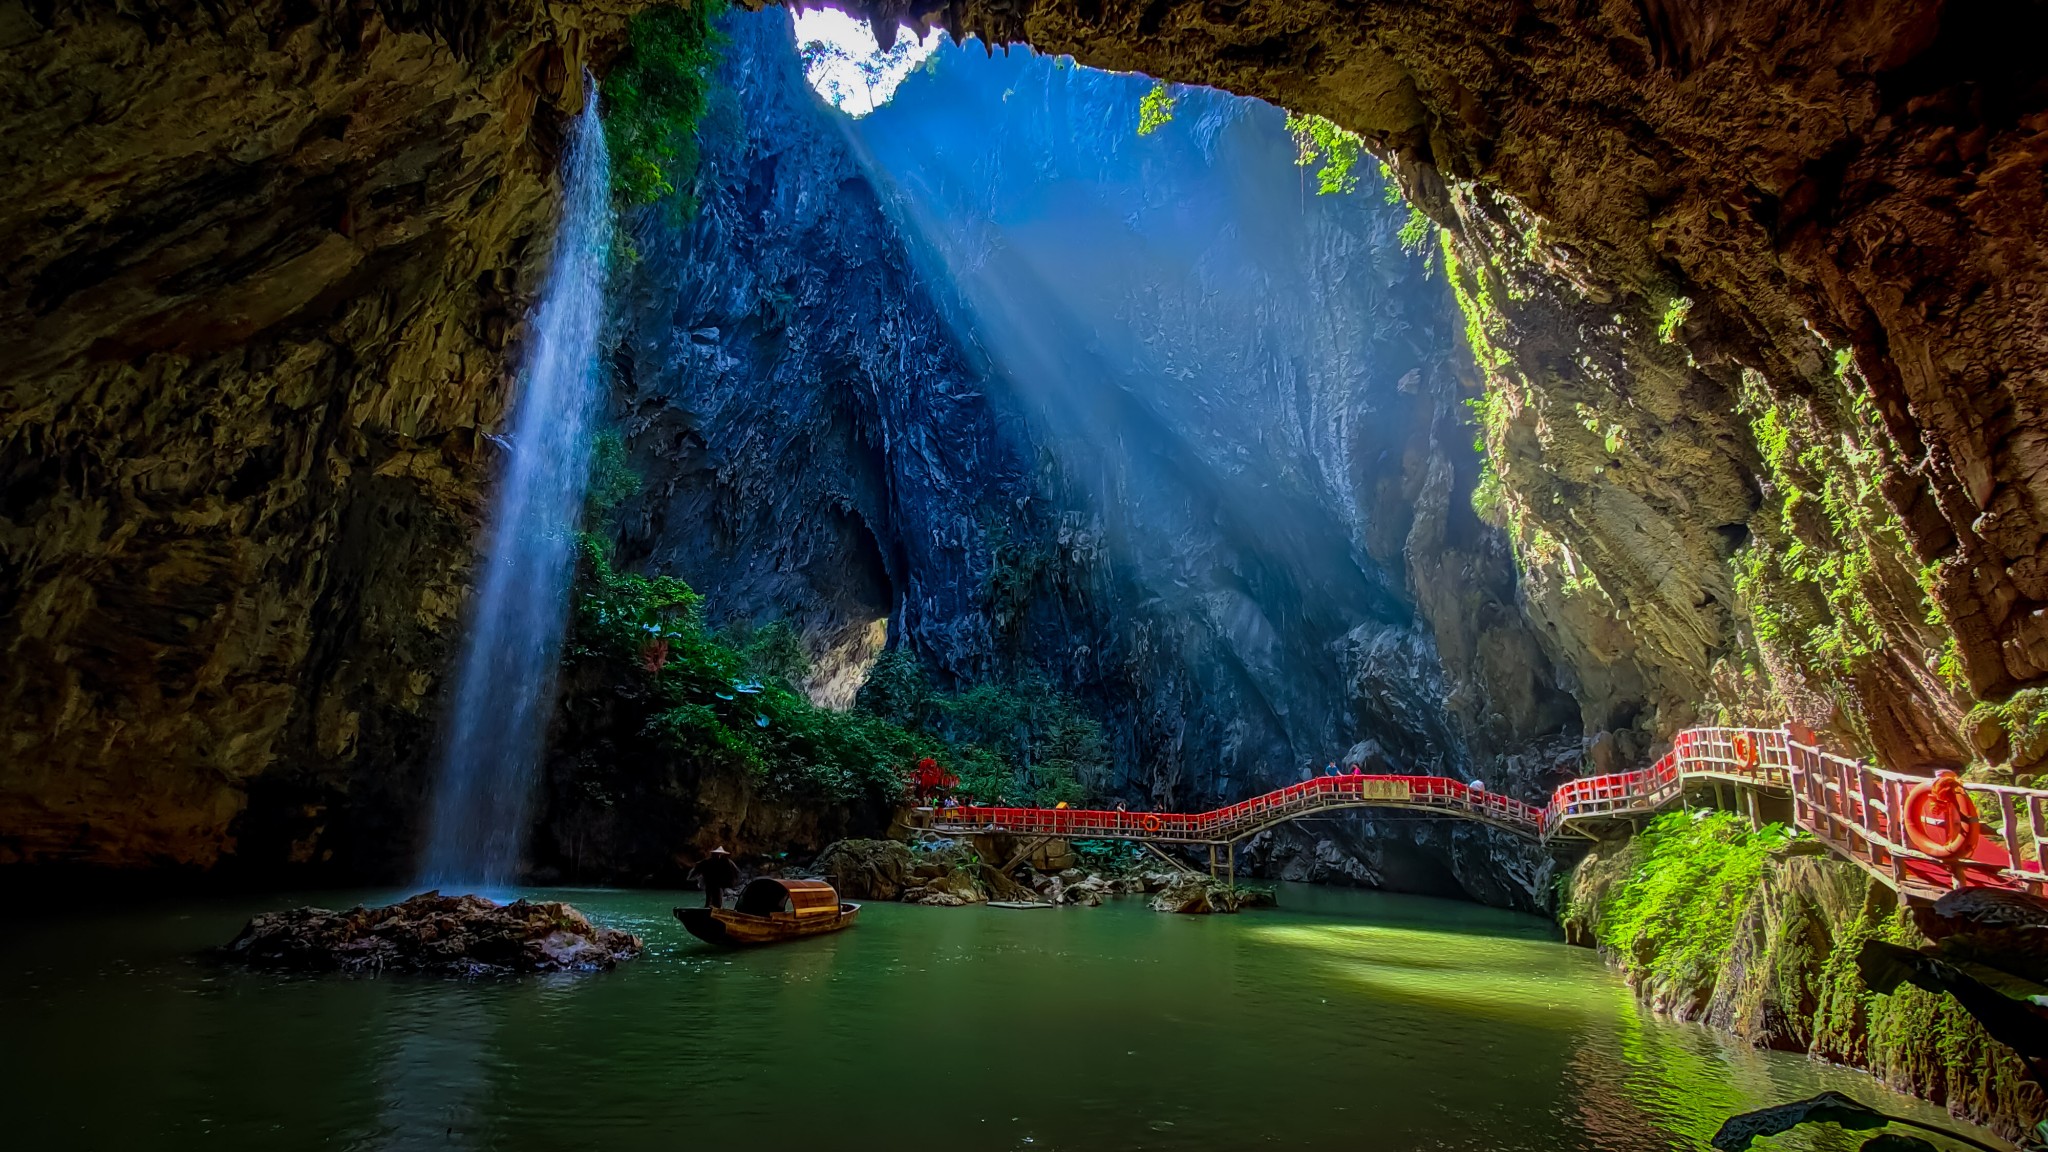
{"x": 866, "y": 869}
{"x": 266, "y": 266}
{"x": 451, "y": 935}
{"x": 1194, "y": 894}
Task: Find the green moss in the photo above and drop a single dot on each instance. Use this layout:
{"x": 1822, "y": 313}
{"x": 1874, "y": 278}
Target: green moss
{"x": 1692, "y": 876}
{"x": 653, "y": 99}
{"x": 1155, "y": 110}
{"x": 1830, "y": 526}
{"x": 1483, "y": 321}
{"x": 1688, "y": 907}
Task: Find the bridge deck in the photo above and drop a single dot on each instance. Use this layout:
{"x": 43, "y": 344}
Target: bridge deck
{"x": 1846, "y": 804}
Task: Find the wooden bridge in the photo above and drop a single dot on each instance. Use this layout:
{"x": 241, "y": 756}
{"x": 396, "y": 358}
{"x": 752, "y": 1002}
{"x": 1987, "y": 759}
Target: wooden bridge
{"x": 1852, "y": 807}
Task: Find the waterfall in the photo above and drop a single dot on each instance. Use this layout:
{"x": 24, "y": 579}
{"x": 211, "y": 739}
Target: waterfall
{"x": 505, "y": 678}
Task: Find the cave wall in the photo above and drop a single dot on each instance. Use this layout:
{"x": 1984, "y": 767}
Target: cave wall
{"x": 263, "y": 264}
{"x": 1813, "y": 177}
{"x": 264, "y": 260}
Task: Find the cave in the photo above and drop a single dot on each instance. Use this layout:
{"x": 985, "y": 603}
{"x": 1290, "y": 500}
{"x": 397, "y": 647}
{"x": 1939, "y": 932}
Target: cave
{"x": 1488, "y": 478}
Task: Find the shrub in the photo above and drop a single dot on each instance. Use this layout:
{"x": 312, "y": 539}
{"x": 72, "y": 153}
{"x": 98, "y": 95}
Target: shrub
{"x": 653, "y": 99}
{"x": 1673, "y": 918}
{"x": 1155, "y": 110}
{"x": 732, "y": 700}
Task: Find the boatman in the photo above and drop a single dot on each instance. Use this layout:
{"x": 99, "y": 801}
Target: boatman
{"x": 719, "y": 875}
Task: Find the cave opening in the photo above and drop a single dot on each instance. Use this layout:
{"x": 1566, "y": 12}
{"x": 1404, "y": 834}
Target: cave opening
{"x": 1390, "y": 485}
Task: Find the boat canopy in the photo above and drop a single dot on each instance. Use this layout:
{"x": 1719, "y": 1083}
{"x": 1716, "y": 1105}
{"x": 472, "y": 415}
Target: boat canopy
{"x": 769, "y": 895}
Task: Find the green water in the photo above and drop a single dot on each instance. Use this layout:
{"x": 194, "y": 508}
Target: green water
{"x": 1343, "y": 1020}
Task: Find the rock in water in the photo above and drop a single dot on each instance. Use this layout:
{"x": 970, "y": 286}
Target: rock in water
{"x": 1197, "y": 894}
{"x": 455, "y": 935}
{"x": 866, "y": 869}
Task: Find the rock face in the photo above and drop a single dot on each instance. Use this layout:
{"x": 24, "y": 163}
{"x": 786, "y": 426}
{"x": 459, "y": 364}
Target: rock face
{"x": 449, "y": 935}
{"x": 1210, "y": 474}
{"x": 1846, "y": 178}
{"x": 264, "y": 264}
{"x": 1790, "y": 982}
{"x": 866, "y": 869}
{"x": 266, "y": 260}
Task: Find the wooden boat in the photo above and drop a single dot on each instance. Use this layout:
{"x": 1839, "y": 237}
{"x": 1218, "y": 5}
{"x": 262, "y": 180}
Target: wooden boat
{"x": 770, "y": 910}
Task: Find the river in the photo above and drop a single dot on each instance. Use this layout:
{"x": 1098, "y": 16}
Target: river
{"x": 1343, "y": 1019}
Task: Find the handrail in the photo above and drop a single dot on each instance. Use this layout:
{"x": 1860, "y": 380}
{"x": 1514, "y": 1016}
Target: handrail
{"x": 1847, "y": 804}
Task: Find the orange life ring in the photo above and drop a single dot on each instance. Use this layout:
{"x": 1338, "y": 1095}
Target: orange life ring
{"x": 1151, "y": 823}
{"x": 1951, "y": 828}
{"x": 1745, "y": 751}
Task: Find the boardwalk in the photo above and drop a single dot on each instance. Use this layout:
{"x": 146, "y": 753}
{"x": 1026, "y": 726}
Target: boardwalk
{"x": 1848, "y": 805}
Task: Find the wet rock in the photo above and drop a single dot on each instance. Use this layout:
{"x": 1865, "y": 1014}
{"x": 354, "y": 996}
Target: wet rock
{"x": 1002, "y": 887}
{"x": 867, "y": 869}
{"x": 950, "y": 889}
{"x": 452, "y": 935}
{"x": 949, "y": 876}
{"x": 1193, "y": 894}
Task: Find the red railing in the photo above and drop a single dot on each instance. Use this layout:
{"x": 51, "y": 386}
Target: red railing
{"x": 1847, "y": 804}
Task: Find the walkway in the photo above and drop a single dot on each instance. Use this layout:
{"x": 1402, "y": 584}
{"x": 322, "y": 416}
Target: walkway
{"x": 1846, "y": 804}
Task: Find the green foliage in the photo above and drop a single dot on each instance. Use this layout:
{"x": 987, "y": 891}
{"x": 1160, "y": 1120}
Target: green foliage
{"x": 1320, "y": 141}
{"x": 1415, "y": 230}
{"x": 612, "y": 480}
{"x": 654, "y": 625}
{"x": 653, "y": 99}
{"x": 1483, "y": 321}
{"x": 1674, "y": 917}
{"x": 772, "y": 652}
{"x": 1832, "y": 525}
{"x": 1025, "y": 742}
{"x": 1155, "y": 111}
{"x": 1675, "y": 313}
{"x": 1489, "y": 494}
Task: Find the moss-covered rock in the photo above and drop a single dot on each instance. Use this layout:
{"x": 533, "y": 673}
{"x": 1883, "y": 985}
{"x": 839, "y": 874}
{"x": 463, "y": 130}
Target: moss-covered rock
{"x": 1776, "y": 964}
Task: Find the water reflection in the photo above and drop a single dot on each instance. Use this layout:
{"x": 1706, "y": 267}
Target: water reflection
{"x": 434, "y": 1068}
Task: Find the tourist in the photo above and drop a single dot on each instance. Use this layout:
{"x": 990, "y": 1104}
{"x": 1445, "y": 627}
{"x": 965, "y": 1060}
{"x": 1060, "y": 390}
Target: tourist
{"x": 1331, "y": 769}
{"x": 718, "y": 874}
{"x": 1357, "y": 771}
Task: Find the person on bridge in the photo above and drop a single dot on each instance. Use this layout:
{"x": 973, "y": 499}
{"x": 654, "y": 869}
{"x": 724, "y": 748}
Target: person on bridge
{"x": 1331, "y": 769}
{"x": 718, "y": 874}
{"x": 1357, "y": 771}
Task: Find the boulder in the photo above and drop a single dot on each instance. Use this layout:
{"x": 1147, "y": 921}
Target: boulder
{"x": 1193, "y": 894}
{"x": 950, "y": 890}
{"x": 867, "y": 869}
{"x": 453, "y": 935}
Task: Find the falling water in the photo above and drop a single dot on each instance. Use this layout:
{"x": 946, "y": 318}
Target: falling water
{"x": 504, "y": 684}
